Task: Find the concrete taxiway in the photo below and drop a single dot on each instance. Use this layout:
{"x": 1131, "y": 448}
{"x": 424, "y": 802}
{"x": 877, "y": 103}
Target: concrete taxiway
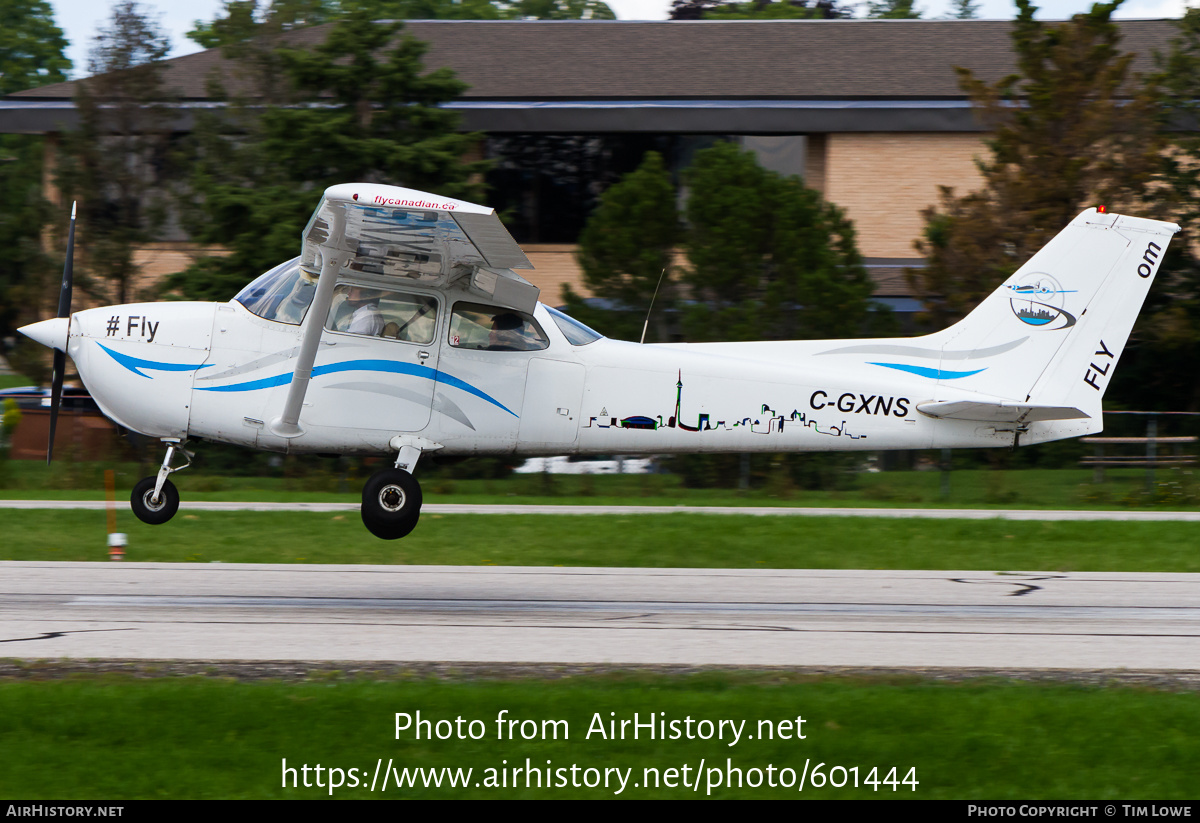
{"x": 901, "y": 619}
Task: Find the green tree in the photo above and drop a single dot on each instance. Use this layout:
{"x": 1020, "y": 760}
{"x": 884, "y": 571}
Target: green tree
{"x": 31, "y": 54}
{"x": 379, "y": 121}
{"x": 31, "y": 46}
{"x": 115, "y": 164}
{"x": 626, "y": 249}
{"x": 768, "y": 259}
{"x": 242, "y": 20}
{"x": 892, "y": 10}
{"x": 757, "y": 10}
{"x": 964, "y": 10}
{"x": 562, "y": 10}
{"x": 1070, "y": 129}
{"x": 1170, "y": 323}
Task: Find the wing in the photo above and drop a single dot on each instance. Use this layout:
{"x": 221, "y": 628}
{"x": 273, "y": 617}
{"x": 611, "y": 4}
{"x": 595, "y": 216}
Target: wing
{"x": 392, "y": 232}
{"x": 412, "y": 235}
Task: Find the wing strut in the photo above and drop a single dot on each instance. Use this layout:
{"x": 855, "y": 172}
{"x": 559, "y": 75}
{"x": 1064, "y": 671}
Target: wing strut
{"x": 287, "y": 424}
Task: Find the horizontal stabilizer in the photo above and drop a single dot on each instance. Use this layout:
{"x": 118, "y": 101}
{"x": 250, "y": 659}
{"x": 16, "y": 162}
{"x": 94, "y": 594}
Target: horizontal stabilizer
{"x": 1000, "y": 412}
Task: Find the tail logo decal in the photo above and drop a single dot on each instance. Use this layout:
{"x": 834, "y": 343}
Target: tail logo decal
{"x": 1037, "y": 300}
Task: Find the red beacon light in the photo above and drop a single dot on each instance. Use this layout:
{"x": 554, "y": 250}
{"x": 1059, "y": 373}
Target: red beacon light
{"x": 1102, "y": 209}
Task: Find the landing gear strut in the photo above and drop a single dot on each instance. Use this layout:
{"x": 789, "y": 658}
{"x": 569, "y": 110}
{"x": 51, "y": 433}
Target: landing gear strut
{"x": 155, "y": 499}
{"x": 391, "y": 499}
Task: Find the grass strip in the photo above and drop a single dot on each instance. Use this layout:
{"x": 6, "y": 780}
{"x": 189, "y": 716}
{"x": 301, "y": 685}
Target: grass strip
{"x": 968, "y": 488}
{"x": 672, "y": 540}
{"x": 118, "y": 738}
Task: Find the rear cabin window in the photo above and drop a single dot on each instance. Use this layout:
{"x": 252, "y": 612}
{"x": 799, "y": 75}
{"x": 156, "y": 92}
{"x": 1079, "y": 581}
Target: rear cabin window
{"x": 491, "y": 328}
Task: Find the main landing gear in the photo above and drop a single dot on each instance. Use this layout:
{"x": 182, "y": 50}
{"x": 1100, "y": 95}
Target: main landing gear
{"x": 391, "y": 498}
{"x": 155, "y": 499}
{"x": 391, "y": 504}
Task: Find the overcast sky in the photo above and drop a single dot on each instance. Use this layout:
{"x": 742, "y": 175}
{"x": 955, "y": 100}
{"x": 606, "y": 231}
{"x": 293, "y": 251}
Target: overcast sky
{"x": 81, "y": 19}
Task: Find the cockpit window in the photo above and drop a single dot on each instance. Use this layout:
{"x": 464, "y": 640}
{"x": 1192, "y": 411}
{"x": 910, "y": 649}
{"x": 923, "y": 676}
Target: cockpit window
{"x": 376, "y": 312}
{"x": 491, "y": 328}
{"x": 283, "y": 294}
{"x": 576, "y": 333}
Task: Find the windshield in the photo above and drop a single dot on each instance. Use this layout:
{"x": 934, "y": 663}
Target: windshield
{"x": 283, "y": 294}
{"x": 576, "y": 333}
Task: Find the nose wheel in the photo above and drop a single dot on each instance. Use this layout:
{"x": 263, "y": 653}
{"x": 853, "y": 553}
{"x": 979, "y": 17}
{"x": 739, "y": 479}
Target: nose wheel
{"x": 391, "y": 503}
{"x": 155, "y": 499}
{"x": 151, "y": 509}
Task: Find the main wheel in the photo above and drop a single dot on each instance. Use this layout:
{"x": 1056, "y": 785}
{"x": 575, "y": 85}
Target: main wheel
{"x": 148, "y": 511}
{"x": 391, "y": 503}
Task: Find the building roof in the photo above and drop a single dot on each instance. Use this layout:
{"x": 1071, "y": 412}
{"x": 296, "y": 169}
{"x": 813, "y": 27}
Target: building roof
{"x": 789, "y": 76}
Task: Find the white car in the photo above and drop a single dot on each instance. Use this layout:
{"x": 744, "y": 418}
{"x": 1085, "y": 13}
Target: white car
{"x": 587, "y": 465}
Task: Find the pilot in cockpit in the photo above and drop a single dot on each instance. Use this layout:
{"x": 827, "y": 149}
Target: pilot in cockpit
{"x": 363, "y": 308}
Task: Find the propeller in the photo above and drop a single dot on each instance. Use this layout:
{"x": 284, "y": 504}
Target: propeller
{"x": 60, "y": 355}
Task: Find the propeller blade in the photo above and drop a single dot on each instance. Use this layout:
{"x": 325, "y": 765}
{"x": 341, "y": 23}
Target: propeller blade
{"x": 64, "y": 294}
{"x": 60, "y": 365}
{"x": 60, "y": 358}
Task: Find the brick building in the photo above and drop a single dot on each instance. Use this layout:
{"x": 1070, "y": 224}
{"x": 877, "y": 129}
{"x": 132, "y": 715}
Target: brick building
{"x": 869, "y": 112}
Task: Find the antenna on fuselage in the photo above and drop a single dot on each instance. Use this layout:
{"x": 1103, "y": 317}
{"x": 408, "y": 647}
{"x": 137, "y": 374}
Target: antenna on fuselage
{"x": 646, "y": 325}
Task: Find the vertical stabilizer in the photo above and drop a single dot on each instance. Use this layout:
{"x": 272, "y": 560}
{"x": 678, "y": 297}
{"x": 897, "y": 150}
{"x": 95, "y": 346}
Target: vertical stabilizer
{"x": 1053, "y": 332}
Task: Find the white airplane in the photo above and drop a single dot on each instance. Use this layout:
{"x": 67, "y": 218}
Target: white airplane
{"x": 402, "y": 329}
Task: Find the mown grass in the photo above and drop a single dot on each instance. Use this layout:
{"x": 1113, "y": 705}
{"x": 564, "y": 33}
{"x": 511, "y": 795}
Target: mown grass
{"x": 12, "y": 381}
{"x": 672, "y": 540}
{"x": 973, "y": 488}
{"x": 117, "y": 738}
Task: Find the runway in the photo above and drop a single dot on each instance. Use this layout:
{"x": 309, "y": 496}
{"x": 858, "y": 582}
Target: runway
{"x": 895, "y": 619}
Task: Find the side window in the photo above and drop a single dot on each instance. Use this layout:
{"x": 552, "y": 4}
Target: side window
{"x": 491, "y": 328}
{"x": 375, "y": 312}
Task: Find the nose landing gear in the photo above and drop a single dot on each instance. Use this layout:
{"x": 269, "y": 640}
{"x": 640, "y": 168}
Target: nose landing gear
{"x": 155, "y": 499}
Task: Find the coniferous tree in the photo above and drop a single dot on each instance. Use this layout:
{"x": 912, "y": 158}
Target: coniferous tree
{"x": 379, "y": 121}
{"x": 758, "y": 10}
{"x": 242, "y": 20}
{"x": 892, "y": 10}
{"x": 626, "y": 252}
{"x": 1169, "y": 326}
{"x": 116, "y": 163}
{"x": 768, "y": 258}
{"x": 964, "y": 10}
{"x": 31, "y": 54}
{"x": 1070, "y": 129}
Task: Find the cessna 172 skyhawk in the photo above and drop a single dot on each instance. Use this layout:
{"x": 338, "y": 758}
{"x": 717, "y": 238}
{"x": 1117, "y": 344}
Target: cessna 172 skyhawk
{"x": 403, "y": 329}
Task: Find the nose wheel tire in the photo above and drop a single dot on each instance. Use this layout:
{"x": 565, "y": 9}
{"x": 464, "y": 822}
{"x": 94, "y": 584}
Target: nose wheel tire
{"x": 149, "y": 510}
{"x": 391, "y": 504}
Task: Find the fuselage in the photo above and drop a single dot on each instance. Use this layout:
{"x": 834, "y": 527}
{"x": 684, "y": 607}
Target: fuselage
{"x": 221, "y": 372}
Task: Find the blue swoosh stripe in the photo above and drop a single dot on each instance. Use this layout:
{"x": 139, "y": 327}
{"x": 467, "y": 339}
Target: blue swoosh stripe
{"x": 925, "y": 371}
{"x": 136, "y": 363}
{"x": 364, "y": 365}
{"x": 252, "y": 385}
